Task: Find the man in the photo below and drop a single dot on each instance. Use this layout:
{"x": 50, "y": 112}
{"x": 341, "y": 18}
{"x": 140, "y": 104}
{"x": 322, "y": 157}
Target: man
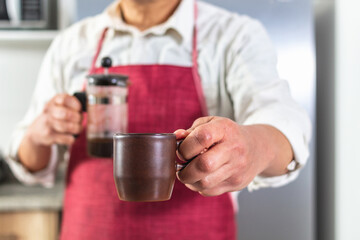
{"x": 215, "y": 68}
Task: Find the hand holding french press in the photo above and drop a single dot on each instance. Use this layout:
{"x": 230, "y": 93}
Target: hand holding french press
{"x": 59, "y": 121}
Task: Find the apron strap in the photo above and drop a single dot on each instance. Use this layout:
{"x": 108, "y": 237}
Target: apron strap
{"x": 195, "y": 67}
{"x": 97, "y": 53}
{"x": 98, "y": 50}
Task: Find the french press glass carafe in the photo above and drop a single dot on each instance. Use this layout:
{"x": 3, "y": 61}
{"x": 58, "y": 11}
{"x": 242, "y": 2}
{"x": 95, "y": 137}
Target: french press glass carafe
{"x": 105, "y": 102}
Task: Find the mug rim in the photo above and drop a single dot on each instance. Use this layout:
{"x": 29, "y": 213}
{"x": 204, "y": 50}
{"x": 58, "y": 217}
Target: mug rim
{"x": 123, "y": 135}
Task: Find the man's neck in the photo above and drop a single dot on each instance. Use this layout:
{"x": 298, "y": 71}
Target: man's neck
{"x": 144, "y": 14}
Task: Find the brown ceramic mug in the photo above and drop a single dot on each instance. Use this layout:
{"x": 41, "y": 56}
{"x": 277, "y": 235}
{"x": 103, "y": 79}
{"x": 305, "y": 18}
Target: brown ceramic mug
{"x": 145, "y": 166}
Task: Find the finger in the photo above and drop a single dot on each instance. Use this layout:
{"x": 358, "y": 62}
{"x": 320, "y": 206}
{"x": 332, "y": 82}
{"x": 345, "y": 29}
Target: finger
{"x": 223, "y": 188}
{"x": 214, "y": 179}
{"x": 201, "y": 121}
{"x": 63, "y": 113}
{"x": 228, "y": 185}
{"x": 65, "y": 127}
{"x": 201, "y": 138}
{"x": 181, "y": 134}
{"x": 219, "y": 190}
{"x": 63, "y": 139}
{"x": 203, "y": 165}
{"x": 68, "y": 101}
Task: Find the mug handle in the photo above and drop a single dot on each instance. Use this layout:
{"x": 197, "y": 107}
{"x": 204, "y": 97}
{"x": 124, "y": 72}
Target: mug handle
{"x": 81, "y": 96}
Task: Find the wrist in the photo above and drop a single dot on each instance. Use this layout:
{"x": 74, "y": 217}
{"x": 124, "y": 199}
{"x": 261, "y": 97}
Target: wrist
{"x": 262, "y": 153}
{"x": 282, "y": 153}
{"x": 33, "y": 155}
{"x": 271, "y": 150}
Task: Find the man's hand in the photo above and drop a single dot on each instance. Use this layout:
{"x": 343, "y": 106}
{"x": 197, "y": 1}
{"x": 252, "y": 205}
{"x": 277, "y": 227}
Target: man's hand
{"x": 227, "y": 156}
{"x": 57, "y": 124}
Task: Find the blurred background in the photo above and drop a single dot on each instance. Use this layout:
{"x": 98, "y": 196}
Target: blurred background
{"x": 318, "y": 53}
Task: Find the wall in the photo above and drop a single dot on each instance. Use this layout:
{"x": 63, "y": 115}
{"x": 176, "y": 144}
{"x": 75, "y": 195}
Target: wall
{"x": 90, "y": 7}
{"x": 338, "y": 49}
{"x": 19, "y": 65}
{"x": 325, "y": 66}
{"x": 347, "y": 119}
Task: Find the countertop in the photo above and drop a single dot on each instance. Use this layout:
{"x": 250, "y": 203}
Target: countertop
{"x": 15, "y": 196}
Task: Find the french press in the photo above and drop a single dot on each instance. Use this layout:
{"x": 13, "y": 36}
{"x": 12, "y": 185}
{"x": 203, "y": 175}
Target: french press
{"x": 105, "y": 102}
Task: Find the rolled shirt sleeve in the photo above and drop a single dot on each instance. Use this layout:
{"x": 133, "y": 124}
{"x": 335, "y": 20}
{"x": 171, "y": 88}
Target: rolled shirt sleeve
{"x": 259, "y": 96}
{"x": 48, "y": 85}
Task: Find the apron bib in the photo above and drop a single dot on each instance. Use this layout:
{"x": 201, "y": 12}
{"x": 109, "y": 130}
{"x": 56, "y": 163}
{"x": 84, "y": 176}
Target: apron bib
{"x": 162, "y": 98}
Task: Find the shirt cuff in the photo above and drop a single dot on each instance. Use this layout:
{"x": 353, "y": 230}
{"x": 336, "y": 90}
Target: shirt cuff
{"x": 266, "y": 182}
{"x": 45, "y": 177}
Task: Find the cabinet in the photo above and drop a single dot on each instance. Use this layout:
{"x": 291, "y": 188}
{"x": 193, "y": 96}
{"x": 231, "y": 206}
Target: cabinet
{"x": 31, "y": 225}
{"x": 31, "y": 213}
{"x": 24, "y": 36}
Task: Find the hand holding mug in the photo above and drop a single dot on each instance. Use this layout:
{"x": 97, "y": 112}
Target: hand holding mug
{"x": 225, "y": 155}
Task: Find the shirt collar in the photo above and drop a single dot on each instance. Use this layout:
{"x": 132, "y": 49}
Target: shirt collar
{"x": 182, "y": 21}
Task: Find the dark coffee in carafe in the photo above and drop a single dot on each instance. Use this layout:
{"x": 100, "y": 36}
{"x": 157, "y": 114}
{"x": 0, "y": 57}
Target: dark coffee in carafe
{"x": 100, "y": 147}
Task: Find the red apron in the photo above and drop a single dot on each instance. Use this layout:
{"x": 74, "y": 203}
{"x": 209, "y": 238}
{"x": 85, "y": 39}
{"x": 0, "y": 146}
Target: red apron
{"x": 162, "y": 98}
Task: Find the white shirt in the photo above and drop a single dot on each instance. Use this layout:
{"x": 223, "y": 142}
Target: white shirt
{"x": 237, "y": 66}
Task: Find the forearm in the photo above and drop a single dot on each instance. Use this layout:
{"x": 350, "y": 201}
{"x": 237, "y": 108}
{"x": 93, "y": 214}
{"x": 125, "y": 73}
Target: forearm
{"x": 34, "y": 157}
{"x": 274, "y": 150}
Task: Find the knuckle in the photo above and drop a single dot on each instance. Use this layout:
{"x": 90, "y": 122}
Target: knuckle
{"x": 57, "y": 113}
{"x": 204, "y": 184}
{"x": 46, "y": 131}
{"x": 227, "y": 121}
{"x": 242, "y": 149}
{"x": 237, "y": 181}
{"x": 184, "y": 178}
{"x": 70, "y": 127}
{"x": 77, "y": 117}
{"x": 205, "y": 164}
{"x": 204, "y": 137}
{"x": 60, "y": 127}
{"x": 241, "y": 164}
{"x": 59, "y": 99}
{"x": 181, "y": 177}
{"x": 228, "y": 125}
{"x": 68, "y": 114}
{"x": 199, "y": 121}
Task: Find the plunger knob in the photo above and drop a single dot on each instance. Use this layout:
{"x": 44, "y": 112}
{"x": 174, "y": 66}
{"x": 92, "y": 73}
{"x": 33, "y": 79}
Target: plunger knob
{"x": 106, "y": 62}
